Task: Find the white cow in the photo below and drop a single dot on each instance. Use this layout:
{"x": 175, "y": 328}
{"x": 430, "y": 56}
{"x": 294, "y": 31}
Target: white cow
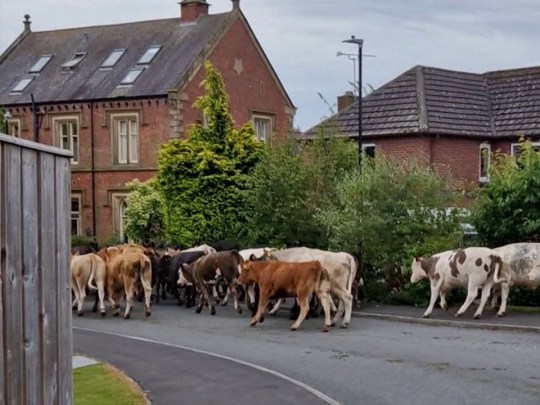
{"x": 201, "y": 248}
{"x": 471, "y": 268}
{"x": 84, "y": 269}
{"x": 341, "y": 268}
{"x": 522, "y": 259}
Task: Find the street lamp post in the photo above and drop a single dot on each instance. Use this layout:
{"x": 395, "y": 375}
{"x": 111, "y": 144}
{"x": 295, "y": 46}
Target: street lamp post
{"x": 359, "y": 42}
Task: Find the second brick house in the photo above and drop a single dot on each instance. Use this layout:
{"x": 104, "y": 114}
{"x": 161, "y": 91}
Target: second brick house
{"x": 112, "y": 94}
{"x": 446, "y": 118}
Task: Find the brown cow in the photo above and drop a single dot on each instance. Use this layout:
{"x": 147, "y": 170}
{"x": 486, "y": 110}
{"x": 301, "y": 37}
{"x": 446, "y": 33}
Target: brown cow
{"x": 124, "y": 268}
{"x": 282, "y": 280}
{"x": 207, "y": 270}
{"x": 84, "y": 269}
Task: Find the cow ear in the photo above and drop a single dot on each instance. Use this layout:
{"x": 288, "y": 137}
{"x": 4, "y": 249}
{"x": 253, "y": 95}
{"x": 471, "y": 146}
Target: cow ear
{"x": 252, "y": 257}
{"x": 417, "y": 258}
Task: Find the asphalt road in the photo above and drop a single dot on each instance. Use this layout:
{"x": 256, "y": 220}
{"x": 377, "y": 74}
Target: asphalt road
{"x": 373, "y": 362}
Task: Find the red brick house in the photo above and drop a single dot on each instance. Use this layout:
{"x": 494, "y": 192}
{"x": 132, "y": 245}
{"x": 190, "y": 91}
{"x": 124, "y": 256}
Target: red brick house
{"x": 445, "y": 118}
{"x": 112, "y": 94}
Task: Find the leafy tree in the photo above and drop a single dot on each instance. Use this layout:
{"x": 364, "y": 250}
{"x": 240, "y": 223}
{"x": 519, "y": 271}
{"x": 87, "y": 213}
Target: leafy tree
{"x": 388, "y": 213}
{"x": 144, "y": 211}
{"x": 203, "y": 177}
{"x": 507, "y": 209}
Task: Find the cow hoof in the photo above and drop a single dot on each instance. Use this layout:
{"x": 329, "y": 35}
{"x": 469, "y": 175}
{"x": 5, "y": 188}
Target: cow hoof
{"x": 81, "y": 313}
{"x": 94, "y": 309}
{"x": 253, "y": 323}
{"x": 115, "y": 313}
{"x": 198, "y": 310}
{"x": 325, "y": 329}
{"x": 344, "y": 325}
{"x": 261, "y": 319}
{"x": 148, "y": 313}
{"x": 293, "y": 328}
{"x": 103, "y": 314}
{"x": 127, "y": 316}
{"x": 239, "y": 310}
{"x": 457, "y": 315}
{"x": 425, "y": 316}
{"x": 213, "y": 311}
{"x": 500, "y": 314}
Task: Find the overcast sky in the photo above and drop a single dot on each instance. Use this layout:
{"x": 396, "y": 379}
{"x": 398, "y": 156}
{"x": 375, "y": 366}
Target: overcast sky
{"x": 302, "y": 37}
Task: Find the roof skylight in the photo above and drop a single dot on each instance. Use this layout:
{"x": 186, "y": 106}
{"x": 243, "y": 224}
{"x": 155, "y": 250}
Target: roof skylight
{"x": 132, "y": 75}
{"x": 22, "y": 84}
{"x": 149, "y": 55}
{"x": 75, "y": 60}
{"x": 40, "y": 64}
{"x": 113, "y": 58}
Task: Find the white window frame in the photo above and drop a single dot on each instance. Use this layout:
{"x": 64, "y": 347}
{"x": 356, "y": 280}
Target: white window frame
{"x": 149, "y": 55}
{"x": 74, "y": 61}
{"x": 132, "y": 76}
{"x": 21, "y": 85}
{"x": 10, "y": 124}
{"x": 269, "y": 119}
{"x": 40, "y": 63}
{"x": 129, "y": 138}
{"x": 73, "y": 139}
{"x": 365, "y": 146}
{"x": 113, "y": 58}
{"x": 514, "y": 147}
{"x": 76, "y": 215}
{"x": 481, "y": 155}
{"x": 119, "y": 218}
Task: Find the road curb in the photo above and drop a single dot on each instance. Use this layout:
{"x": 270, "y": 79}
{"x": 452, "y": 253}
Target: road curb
{"x": 442, "y": 322}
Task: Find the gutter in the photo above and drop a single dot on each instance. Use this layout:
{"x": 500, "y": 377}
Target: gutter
{"x": 93, "y": 169}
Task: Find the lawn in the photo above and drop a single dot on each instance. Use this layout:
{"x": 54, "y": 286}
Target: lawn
{"x": 102, "y": 384}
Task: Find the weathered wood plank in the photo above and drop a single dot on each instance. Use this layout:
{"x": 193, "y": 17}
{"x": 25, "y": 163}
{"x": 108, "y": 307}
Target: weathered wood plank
{"x": 30, "y": 277}
{"x": 63, "y": 214}
{"x": 3, "y": 398}
{"x": 49, "y": 280}
{"x": 26, "y": 144}
{"x": 13, "y": 310}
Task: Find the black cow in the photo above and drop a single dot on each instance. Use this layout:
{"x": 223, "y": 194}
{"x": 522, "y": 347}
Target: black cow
{"x": 172, "y": 277}
{"x": 223, "y": 245}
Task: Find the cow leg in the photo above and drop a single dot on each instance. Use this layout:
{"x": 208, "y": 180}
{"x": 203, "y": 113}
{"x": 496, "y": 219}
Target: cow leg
{"x": 324, "y": 299}
{"x": 129, "y": 288}
{"x": 226, "y": 299}
{"x": 234, "y": 292}
{"x": 435, "y": 291}
{"x": 443, "y": 303}
{"x": 303, "y": 301}
{"x": 472, "y": 291}
{"x": 505, "y": 289}
{"x": 146, "y": 280}
{"x": 276, "y": 306}
{"x": 258, "y": 317}
{"x": 486, "y": 291}
{"x": 345, "y": 305}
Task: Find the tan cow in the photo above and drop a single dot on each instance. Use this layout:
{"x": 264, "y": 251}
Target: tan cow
{"x": 341, "y": 268}
{"x": 124, "y": 268}
{"x": 472, "y": 268}
{"x": 84, "y": 269}
{"x": 282, "y": 279}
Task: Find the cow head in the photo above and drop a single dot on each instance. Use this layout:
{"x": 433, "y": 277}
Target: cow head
{"x": 245, "y": 274}
{"x": 417, "y": 272}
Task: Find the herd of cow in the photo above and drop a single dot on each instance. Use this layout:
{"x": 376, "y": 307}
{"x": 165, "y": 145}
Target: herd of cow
{"x": 311, "y": 276}
{"x": 215, "y": 272}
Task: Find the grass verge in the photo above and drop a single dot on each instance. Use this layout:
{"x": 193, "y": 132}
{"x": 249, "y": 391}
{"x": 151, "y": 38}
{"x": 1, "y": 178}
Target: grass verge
{"x": 103, "y": 384}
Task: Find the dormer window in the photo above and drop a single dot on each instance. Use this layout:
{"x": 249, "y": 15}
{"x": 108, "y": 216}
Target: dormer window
{"x": 113, "y": 58}
{"x": 149, "y": 55}
{"x": 40, "y": 64}
{"x": 79, "y": 56}
{"x": 132, "y": 75}
{"x": 22, "y": 84}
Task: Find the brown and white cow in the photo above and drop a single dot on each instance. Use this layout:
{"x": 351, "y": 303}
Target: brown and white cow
{"x": 207, "y": 270}
{"x": 341, "y": 268}
{"x": 124, "y": 268}
{"x": 285, "y": 279}
{"x": 84, "y": 269}
{"x": 472, "y": 268}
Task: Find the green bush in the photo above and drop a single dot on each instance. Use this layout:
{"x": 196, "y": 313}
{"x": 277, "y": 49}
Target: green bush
{"x": 80, "y": 240}
{"x": 387, "y": 214}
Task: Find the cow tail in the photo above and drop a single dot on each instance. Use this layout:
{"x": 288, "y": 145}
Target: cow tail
{"x": 239, "y": 261}
{"x": 502, "y": 268}
{"x": 92, "y": 274}
{"x": 145, "y": 266}
{"x": 353, "y": 266}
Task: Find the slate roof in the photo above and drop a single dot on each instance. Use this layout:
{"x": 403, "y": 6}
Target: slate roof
{"x": 181, "y": 45}
{"x": 428, "y": 100}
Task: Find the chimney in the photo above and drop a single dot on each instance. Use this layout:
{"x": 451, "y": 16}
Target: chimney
{"x": 345, "y": 100}
{"x": 190, "y": 10}
{"x": 27, "y": 23}
{"x": 236, "y": 4}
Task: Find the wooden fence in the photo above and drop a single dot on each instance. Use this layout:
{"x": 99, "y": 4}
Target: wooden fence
{"x": 35, "y": 294}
